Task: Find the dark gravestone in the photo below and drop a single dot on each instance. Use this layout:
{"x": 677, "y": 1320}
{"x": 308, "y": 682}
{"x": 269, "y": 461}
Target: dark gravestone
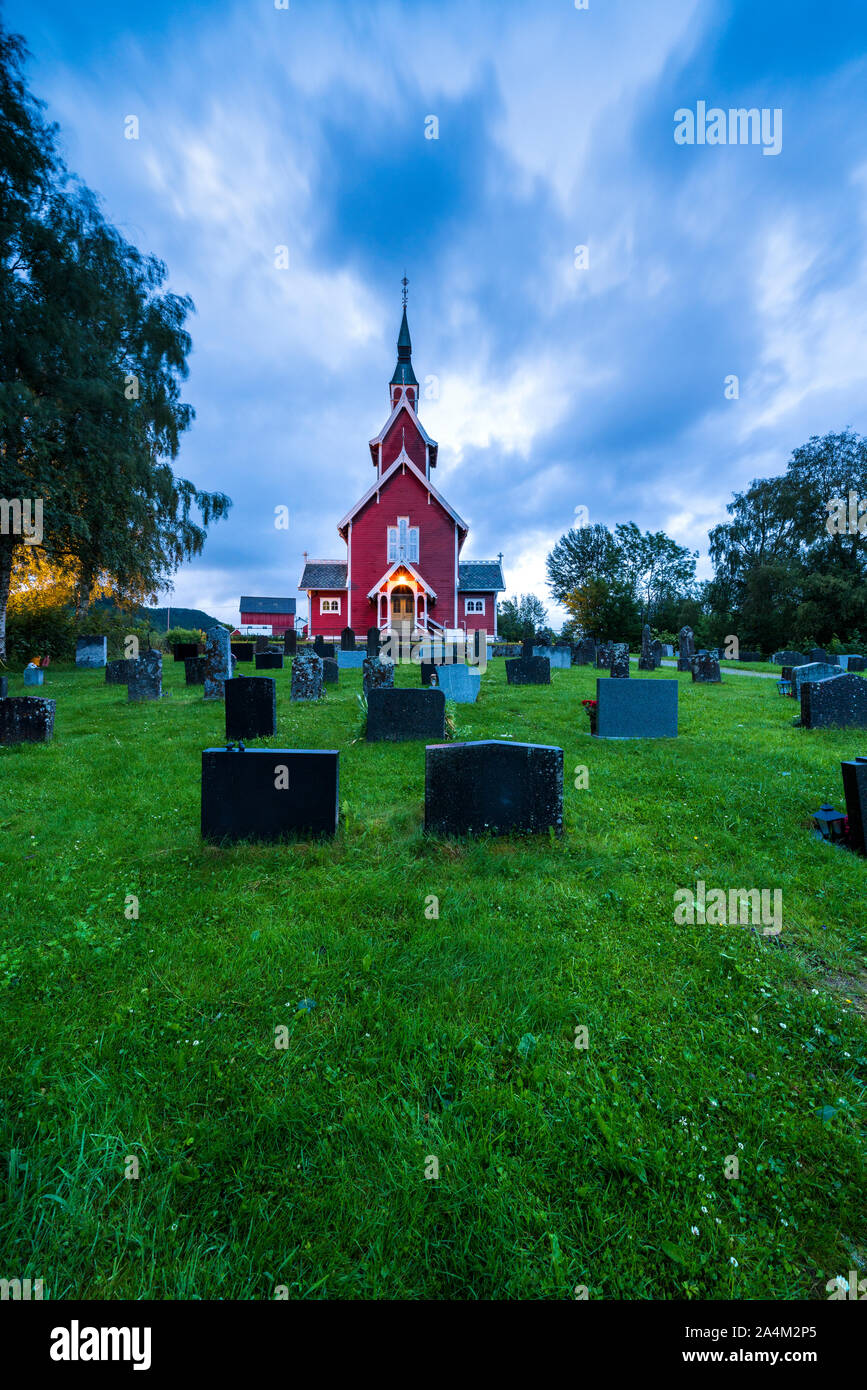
{"x": 218, "y": 662}
{"x": 584, "y": 652}
{"x": 620, "y": 661}
{"x": 705, "y": 669}
{"x": 181, "y": 650}
{"x": 262, "y": 643}
{"x": 377, "y": 674}
{"x": 290, "y": 643}
{"x": 145, "y": 679}
{"x": 395, "y": 716}
{"x": 535, "y": 670}
{"x": 749, "y": 656}
{"x": 307, "y": 677}
{"x": 241, "y": 651}
{"x": 117, "y": 672}
{"x": 527, "y": 649}
{"x": 323, "y": 648}
{"x": 4, "y": 687}
{"x": 428, "y": 672}
{"x": 645, "y": 660}
{"x": 838, "y": 703}
{"x": 91, "y": 652}
{"x": 788, "y": 658}
{"x": 639, "y": 709}
{"x": 251, "y": 708}
{"x": 494, "y": 785}
{"x": 855, "y": 789}
{"x": 373, "y": 641}
{"x": 857, "y": 663}
{"x": 812, "y": 671}
{"x": 269, "y": 661}
{"x": 194, "y": 670}
{"x": 686, "y": 649}
{"x": 269, "y": 793}
{"x": 26, "y": 719}
{"x": 347, "y": 640}
{"x": 604, "y": 656}
{"x": 656, "y": 653}
{"x": 330, "y": 671}
{"x": 819, "y": 654}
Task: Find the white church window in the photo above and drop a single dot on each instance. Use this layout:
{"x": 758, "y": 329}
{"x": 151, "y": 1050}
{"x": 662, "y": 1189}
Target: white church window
{"x": 329, "y": 605}
{"x": 474, "y": 605}
{"x": 402, "y": 541}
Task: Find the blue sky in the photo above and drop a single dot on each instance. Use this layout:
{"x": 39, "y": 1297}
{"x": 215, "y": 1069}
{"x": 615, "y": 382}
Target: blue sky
{"x": 559, "y": 386}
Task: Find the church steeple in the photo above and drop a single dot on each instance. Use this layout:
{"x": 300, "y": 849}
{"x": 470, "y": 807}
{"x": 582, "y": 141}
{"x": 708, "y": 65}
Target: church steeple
{"x": 404, "y": 377}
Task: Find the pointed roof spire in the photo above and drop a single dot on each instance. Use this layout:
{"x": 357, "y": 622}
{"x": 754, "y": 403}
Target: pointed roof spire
{"x": 403, "y": 372}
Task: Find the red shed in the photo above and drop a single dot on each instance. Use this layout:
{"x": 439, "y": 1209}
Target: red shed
{"x": 276, "y": 613}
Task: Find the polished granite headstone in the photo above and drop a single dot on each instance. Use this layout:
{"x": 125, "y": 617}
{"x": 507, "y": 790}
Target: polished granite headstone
{"x": 290, "y": 643}
{"x": 705, "y": 669}
{"x": 559, "y": 658}
{"x": 818, "y": 654}
{"x": 656, "y": 653}
{"x": 458, "y": 683}
{"x": 347, "y": 640}
{"x": 26, "y": 719}
{"x": 194, "y": 670}
{"x": 145, "y": 679}
{"x": 373, "y": 641}
{"x": 493, "y": 785}
{"x": 397, "y": 715}
{"x": 855, "y": 789}
{"x": 262, "y": 643}
{"x": 330, "y": 670}
{"x": 787, "y": 658}
{"x": 182, "y": 650}
{"x": 584, "y": 652}
{"x": 269, "y": 661}
{"x": 91, "y": 652}
{"x": 269, "y": 793}
{"x": 838, "y": 703}
{"x": 218, "y": 662}
{"x": 251, "y": 707}
{"x": 378, "y": 674}
{"x": 533, "y": 670}
{"x": 323, "y": 648}
{"x": 117, "y": 672}
{"x": 620, "y": 661}
{"x": 307, "y": 677}
{"x": 856, "y": 663}
{"x": 645, "y": 659}
{"x": 636, "y": 709}
{"x": 241, "y": 651}
{"x": 812, "y": 671}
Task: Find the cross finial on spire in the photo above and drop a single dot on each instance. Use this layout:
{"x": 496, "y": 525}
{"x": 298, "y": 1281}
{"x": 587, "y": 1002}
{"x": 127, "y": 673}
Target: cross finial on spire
{"x": 404, "y": 282}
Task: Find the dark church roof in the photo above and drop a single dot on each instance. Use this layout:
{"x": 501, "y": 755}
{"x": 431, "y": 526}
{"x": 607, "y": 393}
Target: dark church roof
{"x": 323, "y": 574}
{"x": 480, "y": 576}
{"x": 267, "y": 605}
{"x": 403, "y": 372}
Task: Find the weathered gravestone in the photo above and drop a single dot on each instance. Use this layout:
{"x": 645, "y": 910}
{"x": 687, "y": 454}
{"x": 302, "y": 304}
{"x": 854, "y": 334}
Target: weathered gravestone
{"x": 251, "y": 707}
{"x": 34, "y": 675}
{"x": 645, "y": 659}
{"x": 145, "y": 679}
{"x": 705, "y": 669}
{"x": 812, "y": 671}
{"x": 686, "y": 649}
{"x": 395, "y": 716}
{"x": 91, "y": 652}
{"x": 330, "y": 671}
{"x": 641, "y": 709}
{"x": 533, "y": 670}
{"x": 347, "y": 640}
{"x": 656, "y": 653}
{"x": 323, "y": 648}
{"x": 194, "y": 670}
{"x": 838, "y": 703}
{"x": 269, "y": 661}
{"x": 749, "y": 656}
{"x": 855, "y": 789}
{"x": 818, "y": 654}
{"x": 241, "y": 651}
{"x": 290, "y": 643}
{"x": 262, "y": 644}
{"x": 604, "y": 656}
{"x": 218, "y": 662}
{"x": 493, "y": 785}
{"x": 458, "y": 683}
{"x": 787, "y": 658}
{"x": 378, "y": 674}
{"x": 373, "y": 641}
{"x": 307, "y": 677}
{"x": 117, "y": 672}
{"x": 584, "y": 652}
{"x": 620, "y": 661}
{"x": 269, "y": 793}
{"x": 182, "y": 650}
{"x": 26, "y": 719}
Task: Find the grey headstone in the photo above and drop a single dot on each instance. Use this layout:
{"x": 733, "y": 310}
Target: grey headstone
{"x": 34, "y": 675}
{"x": 458, "y": 683}
{"x": 560, "y": 658}
{"x": 686, "y": 649}
{"x": 636, "y": 709}
{"x": 604, "y": 656}
{"x": 145, "y": 679}
{"x": 91, "y": 652}
{"x": 620, "y": 661}
{"x": 218, "y": 663}
{"x": 395, "y": 716}
{"x": 645, "y": 659}
{"x": 812, "y": 671}
{"x": 307, "y": 677}
{"x": 494, "y": 786}
{"x": 350, "y": 661}
{"x": 378, "y": 674}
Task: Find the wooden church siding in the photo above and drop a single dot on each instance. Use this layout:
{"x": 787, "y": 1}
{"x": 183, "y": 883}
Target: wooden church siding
{"x": 402, "y": 495}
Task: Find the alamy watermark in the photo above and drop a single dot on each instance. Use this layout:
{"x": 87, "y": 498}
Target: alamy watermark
{"x": 739, "y": 125}
{"x": 22, "y": 516}
{"x": 735, "y": 907}
{"x": 847, "y": 520}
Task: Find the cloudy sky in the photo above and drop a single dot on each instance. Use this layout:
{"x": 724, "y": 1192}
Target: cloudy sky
{"x": 564, "y": 380}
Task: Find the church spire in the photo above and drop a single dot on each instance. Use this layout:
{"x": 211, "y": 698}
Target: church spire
{"x": 403, "y": 373}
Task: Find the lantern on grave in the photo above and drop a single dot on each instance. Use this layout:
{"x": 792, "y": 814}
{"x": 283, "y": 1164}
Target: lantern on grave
{"x": 831, "y": 824}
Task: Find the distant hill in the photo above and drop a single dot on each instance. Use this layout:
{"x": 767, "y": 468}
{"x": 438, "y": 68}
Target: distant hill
{"x": 158, "y": 617}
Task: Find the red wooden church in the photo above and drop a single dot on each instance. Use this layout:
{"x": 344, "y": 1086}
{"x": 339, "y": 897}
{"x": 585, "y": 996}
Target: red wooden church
{"x": 403, "y": 539}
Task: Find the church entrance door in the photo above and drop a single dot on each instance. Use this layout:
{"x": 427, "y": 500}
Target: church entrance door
{"x": 402, "y": 606}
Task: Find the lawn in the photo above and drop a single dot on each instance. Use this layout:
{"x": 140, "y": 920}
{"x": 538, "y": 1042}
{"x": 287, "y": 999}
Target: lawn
{"x": 301, "y": 1170}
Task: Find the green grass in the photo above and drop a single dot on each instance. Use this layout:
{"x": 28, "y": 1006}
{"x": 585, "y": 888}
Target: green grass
{"x": 451, "y": 1037}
